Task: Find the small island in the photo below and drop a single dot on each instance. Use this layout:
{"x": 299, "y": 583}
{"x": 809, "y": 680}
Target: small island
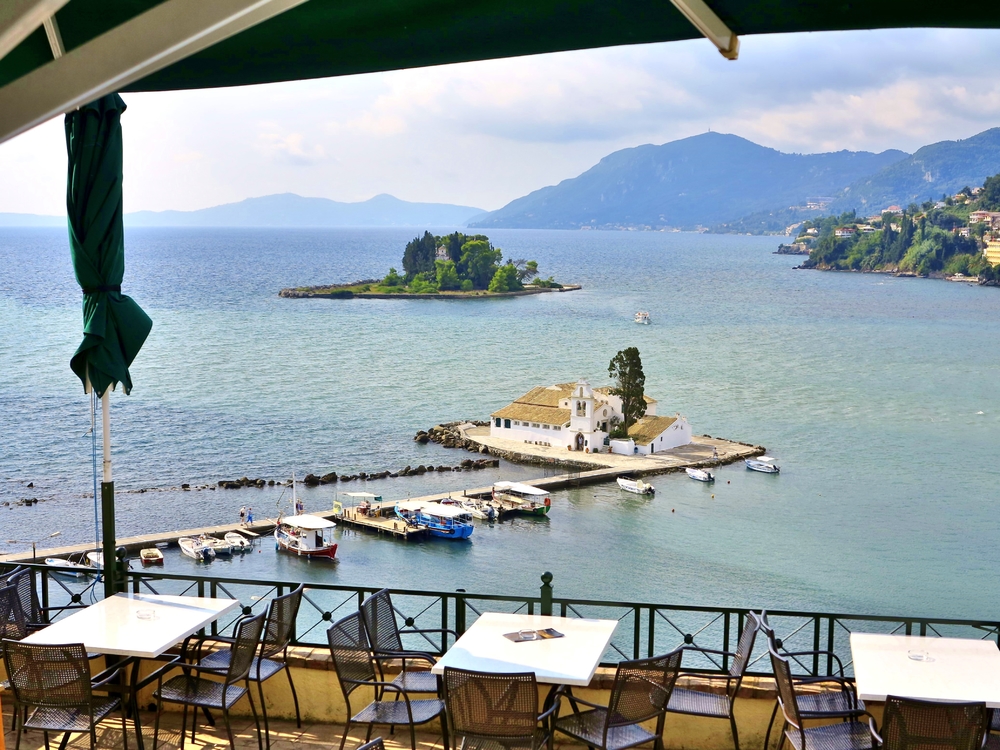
{"x": 455, "y": 266}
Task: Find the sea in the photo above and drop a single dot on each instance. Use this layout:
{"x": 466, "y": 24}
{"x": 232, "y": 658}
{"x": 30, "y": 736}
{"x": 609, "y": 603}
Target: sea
{"x": 878, "y": 396}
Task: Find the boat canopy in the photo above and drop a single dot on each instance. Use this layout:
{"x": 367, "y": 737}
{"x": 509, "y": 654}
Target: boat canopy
{"x": 308, "y": 522}
{"x": 369, "y": 495}
{"x": 522, "y": 489}
{"x": 432, "y": 509}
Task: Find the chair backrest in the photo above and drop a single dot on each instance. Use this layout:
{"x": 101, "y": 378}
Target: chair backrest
{"x": 12, "y": 623}
{"x": 928, "y": 725}
{"x": 349, "y": 649}
{"x": 244, "y": 648}
{"x": 380, "y": 622}
{"x": 30, "y": 608}
{"x": 744, "y": 647}
{"x": 786, "y": 693}
{"x": 375, "y": 744}
{"x": 8, "y": 574}
{"x": 48, "y": 676}
{"x": 642, "y": 688}
{"x": 491, "y": 705}
{"x": 281, "y": 622}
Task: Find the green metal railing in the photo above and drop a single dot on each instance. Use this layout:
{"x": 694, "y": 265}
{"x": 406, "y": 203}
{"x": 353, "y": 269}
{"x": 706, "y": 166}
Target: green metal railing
{"x": 645, "y": 628}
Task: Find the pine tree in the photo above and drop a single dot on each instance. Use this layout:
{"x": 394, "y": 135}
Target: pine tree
{"x": 630, "y": 382}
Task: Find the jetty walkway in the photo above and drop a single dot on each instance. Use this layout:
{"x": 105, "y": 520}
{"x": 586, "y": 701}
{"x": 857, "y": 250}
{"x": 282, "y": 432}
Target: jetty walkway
{"x": 583, "y": 469}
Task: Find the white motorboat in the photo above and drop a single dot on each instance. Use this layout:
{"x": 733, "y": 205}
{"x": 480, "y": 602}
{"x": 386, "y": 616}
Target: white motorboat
{"x": 517, "y": 497}
{"x": 95, "y": 560}
{"x": 305, "y": 535}
{"x": 237, "y": 541}
{"x": 220, "y": 547}
{"x": 196, "y": 549}
{"x": 478, "y": 510}
{"x": 68, "y": 568}
{"x": 642, "y": 318}
{"x": 636, "y": 486}
{"x": 700, "y": 475}
{"x": 764, "y": 465}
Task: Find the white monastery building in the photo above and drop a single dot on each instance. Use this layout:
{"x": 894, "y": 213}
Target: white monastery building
{"x": 581, "y": 418}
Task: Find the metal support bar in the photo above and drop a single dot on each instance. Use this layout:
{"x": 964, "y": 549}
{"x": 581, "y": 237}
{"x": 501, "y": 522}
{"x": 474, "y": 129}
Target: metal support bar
{"x": 18, "y": 18}
{"x": 711, "y": 26}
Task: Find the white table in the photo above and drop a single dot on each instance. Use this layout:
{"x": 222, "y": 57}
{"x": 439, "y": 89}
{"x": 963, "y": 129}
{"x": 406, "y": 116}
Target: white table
{"x": 142, "y": 625}
{"x": 958, "y": 669}
{"x": 570, "y": 660}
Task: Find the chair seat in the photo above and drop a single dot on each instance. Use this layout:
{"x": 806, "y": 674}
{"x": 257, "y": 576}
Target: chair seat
{"x": 220, "y": 660}
{"x": 844, "y": 735}
{"x": 417, "y": 682}
{"x": 196, "y": 691}
{"x": 394, "y": 712}
{"x": 699, "y": 703}
{"x": 829, "y": 703}
{"x": 68, "y": 719}
{"x": 588, "y": 727}
{"x": 468, "y": 742}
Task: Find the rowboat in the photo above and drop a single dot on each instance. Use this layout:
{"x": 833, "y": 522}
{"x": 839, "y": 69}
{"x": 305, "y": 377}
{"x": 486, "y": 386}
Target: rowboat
{"x": 150, "y": 556}
{"x": 636, "y": 485}
{"x": 196, "y": 549}
{"x": 238, "y": 542}
{"x": 515, "y": 497}
{"x": 700, "y": 475}
{"x": 305, "y": 535}
{"x": 444, "y": 521}
{"x": 68, "y": 568}
{"x": 762, "y": 464}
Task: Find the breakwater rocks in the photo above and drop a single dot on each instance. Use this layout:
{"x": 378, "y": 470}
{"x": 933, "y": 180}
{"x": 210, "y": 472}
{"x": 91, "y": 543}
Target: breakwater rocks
{"x": 448, "y": 435}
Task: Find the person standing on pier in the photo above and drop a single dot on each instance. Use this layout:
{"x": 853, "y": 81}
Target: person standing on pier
{"x": 243, "y": 515}
{"x": 249, "y": 515}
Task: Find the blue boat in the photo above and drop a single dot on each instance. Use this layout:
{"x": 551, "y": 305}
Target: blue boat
{"x": 445, "y": 521}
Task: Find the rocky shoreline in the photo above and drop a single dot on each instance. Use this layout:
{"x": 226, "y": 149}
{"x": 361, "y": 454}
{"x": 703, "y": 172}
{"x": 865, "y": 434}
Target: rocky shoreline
{"x": 344, "y": 291}
{"x": 904, "y": 274}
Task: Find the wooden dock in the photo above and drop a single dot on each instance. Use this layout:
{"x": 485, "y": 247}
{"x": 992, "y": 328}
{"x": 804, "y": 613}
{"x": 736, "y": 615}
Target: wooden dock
{"x": 381, "y": 520}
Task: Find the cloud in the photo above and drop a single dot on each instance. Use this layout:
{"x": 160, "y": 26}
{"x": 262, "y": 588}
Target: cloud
{"x": 289, "y": 147}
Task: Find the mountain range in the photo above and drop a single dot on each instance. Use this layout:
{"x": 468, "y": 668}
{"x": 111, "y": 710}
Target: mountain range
{"x": 288, "y": 210}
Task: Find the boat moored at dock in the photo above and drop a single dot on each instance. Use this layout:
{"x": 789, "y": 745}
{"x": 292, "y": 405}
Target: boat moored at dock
{"x": 68, "y": 568}
{"x": 306, "y": 535}
{"x": 196, "y": 549}
{"x": 219, "y": 546}
{"x": 150, "y": 556}
{"x": 516, "y": 497}
{"x": 440, "y": 520}
{"x": 764, "y": 464}
{"x": 636, "y": 486}
{"x": 95, "y": 560}
{"x": 700, "y": 475}
{"x": 237, "y": 541}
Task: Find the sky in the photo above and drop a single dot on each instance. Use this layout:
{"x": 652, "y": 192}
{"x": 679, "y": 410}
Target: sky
{"x": 482, "y": 134}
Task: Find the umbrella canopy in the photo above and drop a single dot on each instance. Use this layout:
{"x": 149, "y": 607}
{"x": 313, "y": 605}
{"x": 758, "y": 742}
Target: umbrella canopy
{"x": 114, "y": 326}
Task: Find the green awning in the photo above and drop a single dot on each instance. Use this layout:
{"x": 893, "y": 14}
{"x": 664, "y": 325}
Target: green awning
{"x": 341, "y": 37}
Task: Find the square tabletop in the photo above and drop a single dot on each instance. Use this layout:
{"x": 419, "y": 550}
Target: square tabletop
{"x": 570, "y": 660}
{"x": 909, "y": 666}
{"x": 142, "y": 625}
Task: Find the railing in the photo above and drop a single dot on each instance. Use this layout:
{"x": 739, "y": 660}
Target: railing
{"x": 645, "y": 629}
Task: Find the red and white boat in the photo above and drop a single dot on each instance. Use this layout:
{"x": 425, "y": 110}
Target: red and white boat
{"x": 306, "y": 535}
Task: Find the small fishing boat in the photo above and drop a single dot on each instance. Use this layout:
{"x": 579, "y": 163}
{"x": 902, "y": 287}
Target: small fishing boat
{"x": 764, "y": 465}
{"x": 237, "y": 542}
{"x": 636, "y": 486}
{"x": 95, "y": 560}
{"x": 196, "y": 549}
{"x": 476, "y": 509}
{"x": 700, "y": 475}
{"x": 150, "y": 556}
{"x": 515, "y": 497}
{"x": 642, "y": 318}
{"x": 220, "y": 547}
{"x": 305, "y": 535}
{"x": 445, "y": 521}
{"x": 68, "y": 568}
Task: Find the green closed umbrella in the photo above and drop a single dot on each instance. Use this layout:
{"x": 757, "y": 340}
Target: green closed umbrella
{"x": 114, "y": 326}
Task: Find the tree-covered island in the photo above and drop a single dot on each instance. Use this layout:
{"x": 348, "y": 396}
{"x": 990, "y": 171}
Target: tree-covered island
{"x": 957, "y": 236}
{"x": 454, "y": 265}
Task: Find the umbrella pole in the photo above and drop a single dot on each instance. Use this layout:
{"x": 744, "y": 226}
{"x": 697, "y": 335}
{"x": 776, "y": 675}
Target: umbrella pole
{"x": 108, "y": 501}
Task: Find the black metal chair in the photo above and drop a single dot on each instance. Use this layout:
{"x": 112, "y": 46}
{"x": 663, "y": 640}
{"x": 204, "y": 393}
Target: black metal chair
{"x": 838, "y": 701}
{"x": 909, "y": 724}
{"x": 54, "y": 690}
{"x": 640, "y": 693}
{"x": 191, "y": 689}
{"x": 375, "y": 744}
{"x": 356, "y": 668}
{"x": 845, "y": 735}
{"x": 704, "y": 702}
{"x": 496, "y": 711}
{"x": 31, "y": 610}
{"x": 272, "y": 656}
{"x": 383, "y": 633}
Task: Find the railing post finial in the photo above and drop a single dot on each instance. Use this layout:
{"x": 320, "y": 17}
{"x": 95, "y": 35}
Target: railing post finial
{"x": 546, "y": 594}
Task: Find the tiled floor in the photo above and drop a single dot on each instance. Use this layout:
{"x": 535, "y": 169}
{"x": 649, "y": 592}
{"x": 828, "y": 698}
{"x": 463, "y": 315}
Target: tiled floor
{"x": 284, "y": 736}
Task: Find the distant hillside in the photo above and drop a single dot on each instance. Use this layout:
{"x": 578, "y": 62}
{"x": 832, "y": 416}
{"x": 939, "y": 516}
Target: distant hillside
{"x": 290, "y": 210}
{"x": 696, "y": 181}
{"x": 941, "y": 168}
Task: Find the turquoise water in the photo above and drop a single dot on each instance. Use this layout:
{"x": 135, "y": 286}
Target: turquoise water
{"x": 867, "y": 388}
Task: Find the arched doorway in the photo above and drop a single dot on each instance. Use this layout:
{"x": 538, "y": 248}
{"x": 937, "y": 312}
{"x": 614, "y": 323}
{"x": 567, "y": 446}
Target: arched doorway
{"x": 579, "y": 441}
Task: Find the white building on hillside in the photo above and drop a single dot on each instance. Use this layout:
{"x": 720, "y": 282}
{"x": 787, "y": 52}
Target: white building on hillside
{"x": 580, "y": 418}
